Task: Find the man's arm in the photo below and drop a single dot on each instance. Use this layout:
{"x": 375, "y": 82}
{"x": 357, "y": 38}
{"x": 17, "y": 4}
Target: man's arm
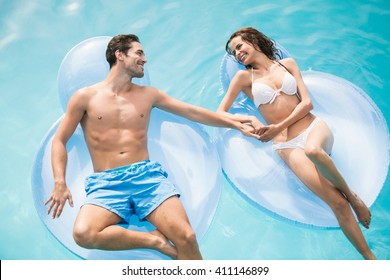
{"x": 199, "y": 114}
{"x": 72, "y": 117}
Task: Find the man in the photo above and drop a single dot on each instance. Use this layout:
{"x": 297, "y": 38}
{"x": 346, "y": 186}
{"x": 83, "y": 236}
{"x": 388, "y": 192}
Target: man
{"x": 114, "y": 115}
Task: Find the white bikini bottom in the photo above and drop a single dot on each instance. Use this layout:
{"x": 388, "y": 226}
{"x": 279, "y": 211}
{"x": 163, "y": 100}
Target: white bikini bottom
{"x": 298, "y": 142}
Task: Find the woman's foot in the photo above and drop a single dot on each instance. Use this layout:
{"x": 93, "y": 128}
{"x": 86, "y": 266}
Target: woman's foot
{"x": 362, "y": 212}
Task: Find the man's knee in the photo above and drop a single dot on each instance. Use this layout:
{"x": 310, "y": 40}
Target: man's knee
{"x": 186, "y": 238}
{"x": 84, "y": 236}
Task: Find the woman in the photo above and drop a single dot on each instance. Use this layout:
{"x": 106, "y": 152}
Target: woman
{"x": 301, "y": 139}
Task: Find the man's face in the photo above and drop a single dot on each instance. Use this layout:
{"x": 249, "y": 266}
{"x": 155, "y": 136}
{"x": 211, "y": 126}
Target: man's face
{"x": 134, "y": 60}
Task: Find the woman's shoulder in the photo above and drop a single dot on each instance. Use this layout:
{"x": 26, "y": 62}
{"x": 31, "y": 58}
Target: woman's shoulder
{"x": 243, "y": 78}
{"x": 244, "y": 73}
{"x": 289, "y": 62}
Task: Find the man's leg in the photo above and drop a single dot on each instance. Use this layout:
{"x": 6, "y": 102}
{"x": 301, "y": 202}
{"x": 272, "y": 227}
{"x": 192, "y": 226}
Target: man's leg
{"x": 96, "y": 228}
{"x": 171, "y": 220}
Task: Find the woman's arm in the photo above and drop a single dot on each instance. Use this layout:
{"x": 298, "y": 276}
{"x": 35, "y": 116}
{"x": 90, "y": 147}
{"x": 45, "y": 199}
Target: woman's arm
{"x": 305, "y": 105}
{"x": 301, "y": 110}
{"x": 239, "y": 82}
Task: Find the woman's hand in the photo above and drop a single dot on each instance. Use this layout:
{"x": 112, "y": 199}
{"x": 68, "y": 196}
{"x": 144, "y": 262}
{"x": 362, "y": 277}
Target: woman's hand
{"x": 267, "y": 133}
{"x": 257, "y": 125}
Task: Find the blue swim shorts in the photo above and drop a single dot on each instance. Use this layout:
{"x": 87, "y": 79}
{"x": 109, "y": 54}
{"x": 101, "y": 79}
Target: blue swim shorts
{"x": 138, "y": 189}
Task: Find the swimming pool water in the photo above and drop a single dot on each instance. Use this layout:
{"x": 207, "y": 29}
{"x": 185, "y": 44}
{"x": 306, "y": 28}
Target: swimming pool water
{"x": 184, "y": 43}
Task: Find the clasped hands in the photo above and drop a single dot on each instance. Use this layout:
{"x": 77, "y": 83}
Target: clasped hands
{"x": 262, "y": 132}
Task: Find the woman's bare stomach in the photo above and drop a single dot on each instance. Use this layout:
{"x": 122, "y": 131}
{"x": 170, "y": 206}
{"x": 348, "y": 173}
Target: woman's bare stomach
{"x": 295, "y": 129}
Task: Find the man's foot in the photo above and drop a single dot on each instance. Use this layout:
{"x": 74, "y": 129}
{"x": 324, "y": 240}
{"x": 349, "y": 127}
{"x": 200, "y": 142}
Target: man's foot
{"x": 369, "y": 256}
{"x": 362, "y": 212}
{"x": 164, "y": 246}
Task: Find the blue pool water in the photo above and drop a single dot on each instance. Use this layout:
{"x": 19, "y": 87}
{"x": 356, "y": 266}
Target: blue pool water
{"x": 184, "y": 42}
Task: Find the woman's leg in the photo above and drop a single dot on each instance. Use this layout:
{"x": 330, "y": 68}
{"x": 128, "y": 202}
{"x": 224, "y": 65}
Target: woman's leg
{"x": 306, "y": 170}
{"x": 318, "y": 146}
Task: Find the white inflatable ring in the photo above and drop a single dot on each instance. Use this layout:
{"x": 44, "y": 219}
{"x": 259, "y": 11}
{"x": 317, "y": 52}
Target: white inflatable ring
{"x": 361, "y": 150}
{"x": 183, "y": 148}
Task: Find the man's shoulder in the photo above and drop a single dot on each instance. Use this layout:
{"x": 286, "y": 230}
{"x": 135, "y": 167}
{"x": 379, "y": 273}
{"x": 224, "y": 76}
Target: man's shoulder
{"x": 88, "y": 91}
{"x": 150, "y": 91}
{"x": 83, "y": 95}
{"x": 146, "y": 88}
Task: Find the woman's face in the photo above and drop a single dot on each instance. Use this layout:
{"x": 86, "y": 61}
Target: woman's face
{"x": 243, "y": 51}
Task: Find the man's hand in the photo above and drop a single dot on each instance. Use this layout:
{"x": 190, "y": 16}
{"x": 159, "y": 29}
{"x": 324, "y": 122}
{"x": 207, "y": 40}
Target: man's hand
{"x": 58, "y": 198}
{"x": 248, "y": 130}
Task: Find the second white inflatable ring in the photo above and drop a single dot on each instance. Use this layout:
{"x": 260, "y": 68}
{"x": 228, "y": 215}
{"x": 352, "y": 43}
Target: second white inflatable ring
{"x": 360, "y": 151}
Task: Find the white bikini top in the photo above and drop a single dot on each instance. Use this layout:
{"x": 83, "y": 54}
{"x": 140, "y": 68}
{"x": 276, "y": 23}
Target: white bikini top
{"x": 263, "y": 93}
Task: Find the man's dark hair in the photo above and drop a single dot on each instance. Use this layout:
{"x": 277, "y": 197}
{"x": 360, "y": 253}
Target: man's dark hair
{"x": 120, "y": 42}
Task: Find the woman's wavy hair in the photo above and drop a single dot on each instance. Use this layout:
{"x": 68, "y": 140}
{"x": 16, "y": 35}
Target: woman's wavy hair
{"x": 257, "y": 39}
